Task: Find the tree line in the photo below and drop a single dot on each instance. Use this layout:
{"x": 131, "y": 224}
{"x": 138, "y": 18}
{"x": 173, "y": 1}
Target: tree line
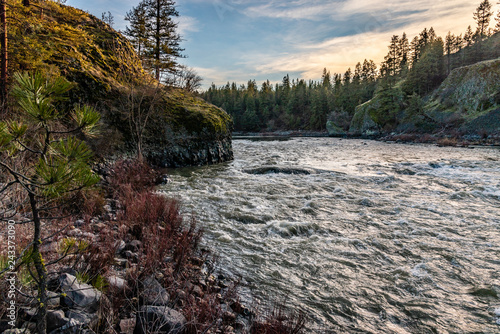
{"x": 410, "y": 68}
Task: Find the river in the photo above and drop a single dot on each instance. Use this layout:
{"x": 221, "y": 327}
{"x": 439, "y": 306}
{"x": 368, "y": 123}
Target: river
{"x": 365, "y": 236}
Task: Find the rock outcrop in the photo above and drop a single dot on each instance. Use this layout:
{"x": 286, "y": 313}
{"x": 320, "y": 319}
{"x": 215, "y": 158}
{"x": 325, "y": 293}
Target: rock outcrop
{"x": 362, "y": 124}
{"x": 181, "y": 129}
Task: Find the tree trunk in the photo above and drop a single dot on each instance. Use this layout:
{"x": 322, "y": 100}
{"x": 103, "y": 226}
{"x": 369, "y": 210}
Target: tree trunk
{"x": 3, "y": 51}
{"x": 157, "y": 55}
{"x": 41, "y": 321}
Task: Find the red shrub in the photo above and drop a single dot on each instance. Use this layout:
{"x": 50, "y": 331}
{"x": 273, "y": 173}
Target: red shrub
{"x": 139, "y": 176}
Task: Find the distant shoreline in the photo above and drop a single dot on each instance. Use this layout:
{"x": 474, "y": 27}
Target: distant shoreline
{"x": 438, "y": 139}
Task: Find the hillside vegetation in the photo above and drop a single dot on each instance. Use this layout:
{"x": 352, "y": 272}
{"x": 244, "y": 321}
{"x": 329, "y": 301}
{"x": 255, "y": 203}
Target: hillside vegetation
{"x": 426, "y": 85}
{"x": 138, "y": 113}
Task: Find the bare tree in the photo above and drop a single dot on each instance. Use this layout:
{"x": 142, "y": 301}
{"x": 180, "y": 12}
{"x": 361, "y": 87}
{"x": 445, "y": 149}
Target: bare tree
{"x": 137, "y": 106}
{"x": 186, "y": 78}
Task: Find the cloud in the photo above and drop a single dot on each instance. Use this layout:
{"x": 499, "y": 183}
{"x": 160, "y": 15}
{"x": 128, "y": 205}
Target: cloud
{"x": 367, "y": 40}
{"x": 187, "y": 24}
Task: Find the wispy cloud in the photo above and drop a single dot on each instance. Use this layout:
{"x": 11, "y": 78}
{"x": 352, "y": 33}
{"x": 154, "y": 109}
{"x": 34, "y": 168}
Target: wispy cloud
{"x": 237, "y": 40}
{"x": 187, "y": 24}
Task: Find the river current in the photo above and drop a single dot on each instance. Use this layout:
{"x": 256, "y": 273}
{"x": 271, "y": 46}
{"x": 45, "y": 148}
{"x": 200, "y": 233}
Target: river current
{"x": 365, "y": 236}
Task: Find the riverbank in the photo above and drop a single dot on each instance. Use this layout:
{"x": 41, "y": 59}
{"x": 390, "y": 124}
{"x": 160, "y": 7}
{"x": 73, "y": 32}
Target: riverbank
{"x": 440, "y": 139}
{"x": 125, "y": 260}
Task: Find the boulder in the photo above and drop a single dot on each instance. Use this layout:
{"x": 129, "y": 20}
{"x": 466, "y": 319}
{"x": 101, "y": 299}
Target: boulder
{"x": 158, "y": 319}
{"x": 56, "y": 319}
{"x": 83, "y": 318}
{"x": 78, "y": 295}
{"x": 73, "y": 327}
{"x": 153, "y": 293}
{"x": 334, "y": 130}
{"x": 117, "y": 283}
{"x": 362, "y": 123}
{"x": 127, "y": 326}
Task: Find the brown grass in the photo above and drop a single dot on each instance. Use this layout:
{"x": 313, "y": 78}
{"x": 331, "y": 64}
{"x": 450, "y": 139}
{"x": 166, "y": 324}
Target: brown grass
{"x": 280, "y": 320}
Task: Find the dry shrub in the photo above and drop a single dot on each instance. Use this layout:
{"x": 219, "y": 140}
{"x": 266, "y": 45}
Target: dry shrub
{"x": 87, "y": 203}
{"x": 280, "y": 321}
{"x": 427, "y": 138}
{"x": 146, "y": 208}
{"x": 131, "y": 175}
{"x": 447, "y": 141}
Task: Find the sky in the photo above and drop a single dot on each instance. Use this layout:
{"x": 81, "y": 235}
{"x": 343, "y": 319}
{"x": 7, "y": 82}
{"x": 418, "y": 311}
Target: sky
{"x": 238, "y": 40}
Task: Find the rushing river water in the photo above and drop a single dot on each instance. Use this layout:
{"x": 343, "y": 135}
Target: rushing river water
{"x": 366, "y": 237}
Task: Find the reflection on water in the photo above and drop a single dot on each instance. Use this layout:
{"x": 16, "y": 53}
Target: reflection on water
{"x": 379, "y": 238}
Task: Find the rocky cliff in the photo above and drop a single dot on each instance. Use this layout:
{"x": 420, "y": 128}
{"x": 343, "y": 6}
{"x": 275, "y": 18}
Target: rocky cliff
{"x": 470, "y": 97}
{"x": 56, "y": 39}
{"x": 467, "y": 103}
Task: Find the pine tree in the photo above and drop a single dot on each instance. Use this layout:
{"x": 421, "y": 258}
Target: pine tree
{"x": 482, "y": 16}
{"x": 369, "y": 71}
{"x": 428, "y": 72}
{"x": 404, "y": 50}
{"x": 392, "y": 58}
{"x": 137, "y": 31}
{"x": 449, "y": 48}
{"x": 414, "y": 50}
{"x": 153, "y": 28}
{"x": 497, "y": 18}
{"x": 358, "y": 70}
{"x": 44, "y": 161}
{"x": 325, "y": 78}
{"x": 469, "y": 36}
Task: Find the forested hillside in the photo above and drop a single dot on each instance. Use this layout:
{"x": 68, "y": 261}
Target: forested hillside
{"x": 404, "y": 81}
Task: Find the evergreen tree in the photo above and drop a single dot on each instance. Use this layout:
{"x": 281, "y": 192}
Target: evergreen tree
{"x": 369, "y": 71}
{"x": 358, "y": 70}
{"x": 392, "y": 58}
{"x": 450, "y": 41}
{"x": 137, "y": 32}
{"x": 153, "y": 28}
{"x": 325, "y": 78}
{"x": 469, "y": 36}
{"x": 414, "y": 50}
{"x": 428, "y": 72}
{"x": 41, "y": 158}
{"x": 403, "y": 50}
{"x": 482, "y": 16}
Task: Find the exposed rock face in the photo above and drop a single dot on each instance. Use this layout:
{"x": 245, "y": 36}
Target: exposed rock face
{"x": 193, "y": 152}
{"x": 362, "y": 123}
{"x": 159, "y": 319}
{"x": 191, "y": 132}
{"x": 466, "y": 103}
{"x": 334, "y": 130}
{"x": 469, "y": 97}
{"x": 471, "y": 88}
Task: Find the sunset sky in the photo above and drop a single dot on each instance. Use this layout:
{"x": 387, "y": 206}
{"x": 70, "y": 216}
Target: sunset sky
{"x": 238, "y": 40}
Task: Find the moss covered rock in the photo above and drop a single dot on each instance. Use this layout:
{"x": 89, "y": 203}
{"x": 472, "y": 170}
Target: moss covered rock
{"x": 469, "y": 99}
{"x": 471, "y": 88}
{"x": 362, "y": 123}
{"x": 62, "y": 40}
{"x": 334, "y": 130}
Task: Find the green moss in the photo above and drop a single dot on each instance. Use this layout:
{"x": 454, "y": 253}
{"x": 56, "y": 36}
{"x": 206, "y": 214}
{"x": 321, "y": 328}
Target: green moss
{"x": 194, "y": 115}
{"x": 104, "y": 66}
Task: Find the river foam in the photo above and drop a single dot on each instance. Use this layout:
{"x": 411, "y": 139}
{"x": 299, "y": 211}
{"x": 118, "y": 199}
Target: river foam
{"x": 385, "y": 238}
